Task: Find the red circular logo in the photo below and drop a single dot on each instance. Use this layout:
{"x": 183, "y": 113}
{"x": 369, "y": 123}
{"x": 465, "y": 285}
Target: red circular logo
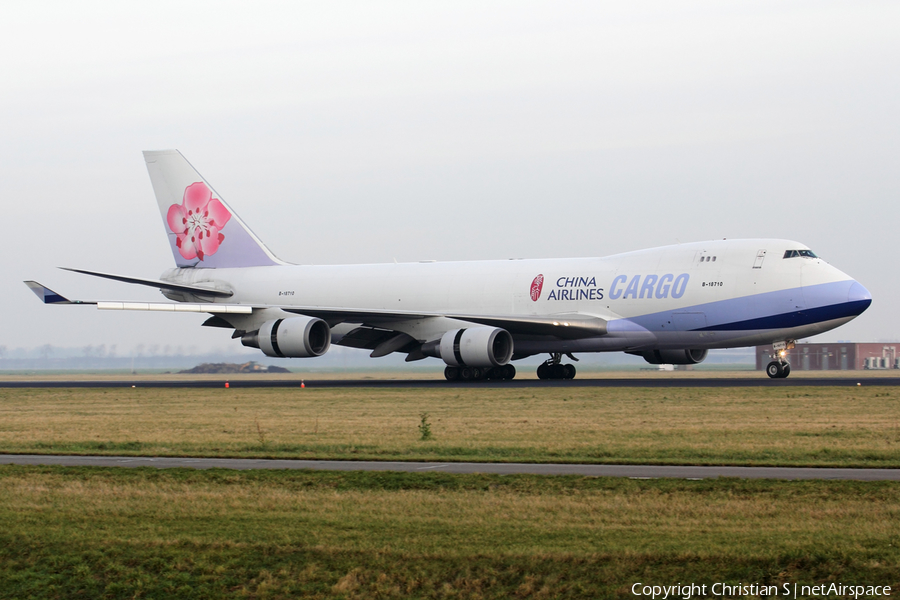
{"x": 536, "y": 286}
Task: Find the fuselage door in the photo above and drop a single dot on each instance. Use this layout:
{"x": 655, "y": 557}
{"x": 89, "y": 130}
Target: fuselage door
{"x": 760, "y": 257}
{"x": 688, "y": 321}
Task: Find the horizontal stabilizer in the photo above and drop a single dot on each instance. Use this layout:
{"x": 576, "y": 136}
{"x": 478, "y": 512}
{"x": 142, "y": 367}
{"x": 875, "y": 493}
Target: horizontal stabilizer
{"x": 48, "y": 296}
{"x": 156, "y": 283}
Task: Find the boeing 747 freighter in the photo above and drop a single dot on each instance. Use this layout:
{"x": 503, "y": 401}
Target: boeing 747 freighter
{"x": 670, "y": 305}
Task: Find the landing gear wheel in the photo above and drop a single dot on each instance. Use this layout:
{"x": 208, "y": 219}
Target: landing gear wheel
{"x": 451, "y": 373}
{"x": 509, "y": 372}
{"x": 495, "y": 373}
{"x": 467, "y": 374}
{"x": 555, "y": 370}
{"x": 775, "y": 370}
{"x": 543, "y": 371}
{"x": 785, "y": 370}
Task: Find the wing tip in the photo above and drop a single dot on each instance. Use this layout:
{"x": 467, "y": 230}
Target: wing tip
{"x": 45, "y": 294}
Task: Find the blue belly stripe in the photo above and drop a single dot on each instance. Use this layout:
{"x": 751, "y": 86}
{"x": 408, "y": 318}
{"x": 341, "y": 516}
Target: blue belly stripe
{"x": 796, "y": 318}
{"x": 793, "y": 307}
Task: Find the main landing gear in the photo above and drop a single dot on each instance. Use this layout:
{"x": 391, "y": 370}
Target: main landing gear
{"x": 504, "y": 373}
{"x": 553, "y": 368}
{"x": 780, "y": 368}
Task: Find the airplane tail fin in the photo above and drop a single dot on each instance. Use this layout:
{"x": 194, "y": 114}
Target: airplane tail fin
{"x": 203, "y": 231}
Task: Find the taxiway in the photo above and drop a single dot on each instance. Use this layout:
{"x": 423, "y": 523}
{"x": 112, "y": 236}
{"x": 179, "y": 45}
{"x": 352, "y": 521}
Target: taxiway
{"x": 711, "y": 382}
{"x": 585, "y": 470}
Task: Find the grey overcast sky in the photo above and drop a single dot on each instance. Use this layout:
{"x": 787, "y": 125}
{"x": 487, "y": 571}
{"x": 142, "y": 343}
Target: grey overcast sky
{"x": 375, "y": 131}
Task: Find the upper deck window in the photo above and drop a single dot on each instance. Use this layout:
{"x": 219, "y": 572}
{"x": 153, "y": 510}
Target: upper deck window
{"x": 796, "y": 253}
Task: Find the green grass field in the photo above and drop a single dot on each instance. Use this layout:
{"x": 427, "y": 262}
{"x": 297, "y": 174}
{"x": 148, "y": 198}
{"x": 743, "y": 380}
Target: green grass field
{"x": 143, "y": 533}
{"x": 832, "y": 426}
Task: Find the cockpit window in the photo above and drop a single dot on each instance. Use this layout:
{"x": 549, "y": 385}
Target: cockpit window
{"x": 798, "y": 253}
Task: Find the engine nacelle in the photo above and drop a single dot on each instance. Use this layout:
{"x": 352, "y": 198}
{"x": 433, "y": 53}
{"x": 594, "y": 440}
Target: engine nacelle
{"x": 294, "y": 337}
{"x": 674, "y": 357}
{"x": 474, "y": 347}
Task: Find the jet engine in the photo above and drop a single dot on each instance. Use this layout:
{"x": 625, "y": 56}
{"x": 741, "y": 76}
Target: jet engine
{"x": 674, "y": 357}
{"x": 474, "y": 347}
{"x": 294, "y": 337}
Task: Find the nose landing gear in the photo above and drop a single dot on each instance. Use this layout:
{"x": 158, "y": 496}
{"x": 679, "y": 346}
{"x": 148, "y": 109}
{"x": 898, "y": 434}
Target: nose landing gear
{"x": 780, "y": 368}
{"x": 553, "y": 368}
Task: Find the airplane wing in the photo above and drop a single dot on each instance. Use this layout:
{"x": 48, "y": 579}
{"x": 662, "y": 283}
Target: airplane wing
{"x": 565, "y": 326}
{"x": 48, "y": 296}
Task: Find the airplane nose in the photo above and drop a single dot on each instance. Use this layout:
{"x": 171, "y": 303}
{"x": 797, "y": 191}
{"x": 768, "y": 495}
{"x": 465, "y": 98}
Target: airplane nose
{"x": 859, "y": 296}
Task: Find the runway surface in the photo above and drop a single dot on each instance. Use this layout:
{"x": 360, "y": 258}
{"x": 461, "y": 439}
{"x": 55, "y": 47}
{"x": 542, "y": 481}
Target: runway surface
{"x": 632, "y": 471}
{"x": 759, "y": 380}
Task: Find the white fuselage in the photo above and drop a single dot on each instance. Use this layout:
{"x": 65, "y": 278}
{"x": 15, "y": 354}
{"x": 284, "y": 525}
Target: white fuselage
{"x": 700, "y": 295}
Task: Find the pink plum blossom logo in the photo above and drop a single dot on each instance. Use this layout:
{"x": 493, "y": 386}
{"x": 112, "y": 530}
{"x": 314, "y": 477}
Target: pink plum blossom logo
{"x": 197, "y": 222}
{"x": 536, "y": 286}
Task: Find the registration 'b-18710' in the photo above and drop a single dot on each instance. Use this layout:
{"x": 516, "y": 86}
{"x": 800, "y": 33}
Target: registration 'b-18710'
{"x": 670, "y": 305}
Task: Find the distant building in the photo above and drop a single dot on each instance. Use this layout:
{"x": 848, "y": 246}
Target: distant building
{"x": 841, "y": 356}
